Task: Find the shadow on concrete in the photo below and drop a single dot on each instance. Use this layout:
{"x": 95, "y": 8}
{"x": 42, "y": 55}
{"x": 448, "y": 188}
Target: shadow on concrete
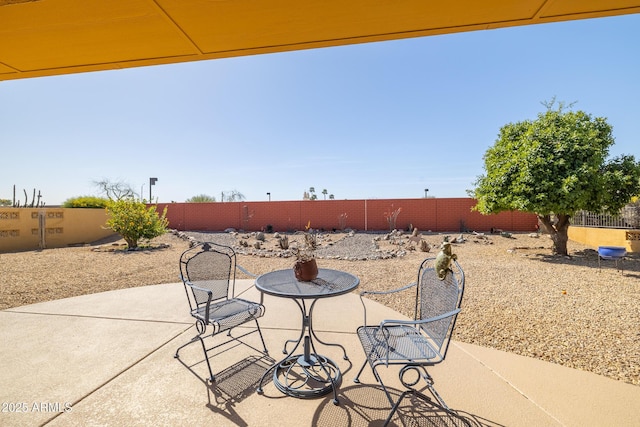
{"x": 367, "y": 405}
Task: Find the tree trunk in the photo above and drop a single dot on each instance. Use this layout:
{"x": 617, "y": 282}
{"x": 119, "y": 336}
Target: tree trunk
{"x": 558, "y": 230}
{"x": 131, "y": 243}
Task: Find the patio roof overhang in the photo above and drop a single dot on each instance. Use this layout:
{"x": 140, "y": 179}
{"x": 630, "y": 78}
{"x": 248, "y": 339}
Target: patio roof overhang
{"x": 53, "y": 37}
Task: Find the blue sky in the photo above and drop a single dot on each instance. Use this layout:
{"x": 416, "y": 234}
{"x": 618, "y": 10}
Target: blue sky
{"x": 377, "y": 120}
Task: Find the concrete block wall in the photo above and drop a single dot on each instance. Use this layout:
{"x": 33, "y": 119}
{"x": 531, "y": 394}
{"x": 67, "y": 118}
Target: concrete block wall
{"x": 50, "y": 227}
{"x": 594, "y": 237}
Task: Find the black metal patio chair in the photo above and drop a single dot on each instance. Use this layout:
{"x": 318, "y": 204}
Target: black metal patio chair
{"x": 208, "y": 272}
{"x": 415, "y": 344}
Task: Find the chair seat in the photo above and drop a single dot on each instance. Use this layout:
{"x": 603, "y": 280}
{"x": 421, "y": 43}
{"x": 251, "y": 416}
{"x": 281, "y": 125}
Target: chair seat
{"x": 401, "y": 343}
{"x": 230, "y": 313}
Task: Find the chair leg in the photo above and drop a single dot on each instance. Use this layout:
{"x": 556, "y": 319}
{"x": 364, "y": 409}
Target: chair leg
{"x": 410, "y": 390}
{"x": 429, "y": 380}
{"x": 194, "y": 339}
{"x": 212, "y": 379}
{"x": 204, "y": 350}
{"x": 201, "y": 328}
{"x": 377, "y": 378}
{"x": 357, "y": 378}
{"x": 395, "y": 407}
{"x": 437, "y": 396}
{"x": 384, "y": 387}
{"x": 262, "y": 338}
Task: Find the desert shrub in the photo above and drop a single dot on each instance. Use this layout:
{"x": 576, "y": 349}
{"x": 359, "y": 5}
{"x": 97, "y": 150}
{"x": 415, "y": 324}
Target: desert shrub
{"x": 133, "y": 220}
{"x": 86, "y": 202}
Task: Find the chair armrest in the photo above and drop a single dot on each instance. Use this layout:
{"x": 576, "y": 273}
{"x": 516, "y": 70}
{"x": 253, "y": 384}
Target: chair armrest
{"x": 245, "y": 271}
{"x": 404, "y": 288}
{"x": 387, "y": 322}
{"x": 364, "y": 293}
{"x": 248, "y": 273}
{"x": 208, "y": 292}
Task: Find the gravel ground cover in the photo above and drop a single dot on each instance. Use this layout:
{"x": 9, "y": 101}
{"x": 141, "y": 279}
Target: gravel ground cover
{"x": 519, "y": 298}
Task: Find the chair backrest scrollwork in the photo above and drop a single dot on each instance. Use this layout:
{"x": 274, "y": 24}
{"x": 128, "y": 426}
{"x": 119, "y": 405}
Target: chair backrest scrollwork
{"x": 437, "y": 297}
{"x": 209, "y": 266}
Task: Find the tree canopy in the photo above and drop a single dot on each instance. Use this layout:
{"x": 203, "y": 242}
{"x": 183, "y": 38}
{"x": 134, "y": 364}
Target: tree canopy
{"x": 201, "y": 198}
{"x": 115, "y": 190}
{"x": 554, "y": 166}
{"x": 232, "y": 196}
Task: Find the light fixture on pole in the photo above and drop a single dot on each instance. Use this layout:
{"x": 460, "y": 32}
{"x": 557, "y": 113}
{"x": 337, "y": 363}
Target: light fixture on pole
{"x": 269, "y": 194}
{"x": 152, "y": 182}
{"x": 426, "y": 190}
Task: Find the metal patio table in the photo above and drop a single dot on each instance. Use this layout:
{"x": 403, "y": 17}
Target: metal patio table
{"x": 307, "y": 374}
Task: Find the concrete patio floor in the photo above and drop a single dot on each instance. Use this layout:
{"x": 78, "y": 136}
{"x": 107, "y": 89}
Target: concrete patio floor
{"x": 107, "y": 359}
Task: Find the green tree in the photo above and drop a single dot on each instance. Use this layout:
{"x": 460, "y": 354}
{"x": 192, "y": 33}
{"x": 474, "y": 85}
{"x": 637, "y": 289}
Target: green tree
{"x": 201, "y": 198}
{"x": 133, "y": 220}
{"x": 5, "y": 202}
{"x": 554, "y": 166}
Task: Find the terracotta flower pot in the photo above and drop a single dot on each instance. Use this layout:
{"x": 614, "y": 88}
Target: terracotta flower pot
{"x": 306, "y": 271}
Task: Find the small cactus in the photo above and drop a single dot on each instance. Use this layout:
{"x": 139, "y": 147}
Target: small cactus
{"x": 257, "y": 245}
{"x": 424, "y": 246}
{"x": 260, "y": 236}
{"x": 283, "y": 241}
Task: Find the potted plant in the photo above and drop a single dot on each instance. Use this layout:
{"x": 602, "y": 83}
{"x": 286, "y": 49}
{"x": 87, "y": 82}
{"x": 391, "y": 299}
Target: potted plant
{"x": 305, "y": 267}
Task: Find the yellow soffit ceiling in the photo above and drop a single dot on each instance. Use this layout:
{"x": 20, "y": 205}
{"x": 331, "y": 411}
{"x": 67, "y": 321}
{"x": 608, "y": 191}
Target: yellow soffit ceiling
{"x": 52, "y": 37}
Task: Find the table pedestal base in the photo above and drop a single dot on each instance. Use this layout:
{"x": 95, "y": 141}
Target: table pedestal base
{"x": 306, "y": 377}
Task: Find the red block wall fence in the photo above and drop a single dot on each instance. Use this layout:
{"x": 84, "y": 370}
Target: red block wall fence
{"x": 438, "y": 215}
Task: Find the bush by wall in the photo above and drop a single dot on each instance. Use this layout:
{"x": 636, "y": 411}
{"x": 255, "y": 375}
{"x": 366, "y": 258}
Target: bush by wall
{"x": 134, "y": 220}
{"x": 86, "y": 202}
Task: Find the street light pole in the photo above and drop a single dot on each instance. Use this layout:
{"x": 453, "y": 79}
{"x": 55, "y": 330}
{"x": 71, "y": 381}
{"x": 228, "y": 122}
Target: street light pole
{"x": 152, "y": 182}
{"x": 269, "y": 194}
{"x": 426, "y": 190}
